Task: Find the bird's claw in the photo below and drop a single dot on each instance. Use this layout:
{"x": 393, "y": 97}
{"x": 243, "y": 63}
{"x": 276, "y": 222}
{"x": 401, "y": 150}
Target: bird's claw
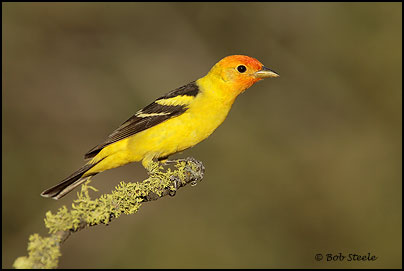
{"x": 167, "y": 162}
{"x": 176, "y": 183}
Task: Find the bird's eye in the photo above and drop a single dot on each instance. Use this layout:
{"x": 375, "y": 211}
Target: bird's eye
{"x": 241, "y": 68}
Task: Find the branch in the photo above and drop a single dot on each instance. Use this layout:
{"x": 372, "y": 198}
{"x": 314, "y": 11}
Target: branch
{"x": 44, "y": 252}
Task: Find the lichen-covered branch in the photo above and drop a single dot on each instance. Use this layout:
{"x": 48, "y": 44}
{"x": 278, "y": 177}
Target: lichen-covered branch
{"x": 44, "y": 252}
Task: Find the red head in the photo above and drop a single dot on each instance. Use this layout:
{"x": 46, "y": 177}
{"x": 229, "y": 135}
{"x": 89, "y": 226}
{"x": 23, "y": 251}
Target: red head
{"x": 239, "y": 72}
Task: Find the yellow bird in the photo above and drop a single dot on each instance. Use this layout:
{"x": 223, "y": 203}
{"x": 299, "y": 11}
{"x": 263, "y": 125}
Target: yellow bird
{"x": 172, "y": 123}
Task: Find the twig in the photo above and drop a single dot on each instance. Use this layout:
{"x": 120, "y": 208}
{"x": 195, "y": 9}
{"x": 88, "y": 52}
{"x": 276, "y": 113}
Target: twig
{"x": 43, "y": 252}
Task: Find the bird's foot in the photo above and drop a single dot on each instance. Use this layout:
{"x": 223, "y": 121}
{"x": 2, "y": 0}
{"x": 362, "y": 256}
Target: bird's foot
{"x": 168, "y": 162}
{"x": 176, "y": 184}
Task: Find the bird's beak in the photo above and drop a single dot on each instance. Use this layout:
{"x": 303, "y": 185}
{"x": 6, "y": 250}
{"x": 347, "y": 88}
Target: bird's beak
{"x": 265, "y": 73}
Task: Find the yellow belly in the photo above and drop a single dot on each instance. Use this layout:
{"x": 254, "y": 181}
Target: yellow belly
{"x": 166, "y": 138}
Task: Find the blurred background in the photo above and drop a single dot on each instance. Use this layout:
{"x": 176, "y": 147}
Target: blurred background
{"x": 306, "y": 163}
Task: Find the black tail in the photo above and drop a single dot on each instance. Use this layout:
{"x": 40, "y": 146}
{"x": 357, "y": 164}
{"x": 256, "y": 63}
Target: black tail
{"x": 68, "y": 184}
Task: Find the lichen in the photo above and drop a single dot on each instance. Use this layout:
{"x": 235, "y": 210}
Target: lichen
{"x": 126, "y": 198}
{"x": 42, "y": 253}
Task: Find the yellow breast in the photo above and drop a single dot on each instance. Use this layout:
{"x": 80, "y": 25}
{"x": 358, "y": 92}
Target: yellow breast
{"x": 196, "y": 124}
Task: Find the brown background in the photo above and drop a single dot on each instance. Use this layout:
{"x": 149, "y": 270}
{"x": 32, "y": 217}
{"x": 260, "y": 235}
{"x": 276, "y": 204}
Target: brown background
{"x": 307, "y": 163}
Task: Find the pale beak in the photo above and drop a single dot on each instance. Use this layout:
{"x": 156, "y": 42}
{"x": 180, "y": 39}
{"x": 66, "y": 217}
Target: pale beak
{"x": 265, "y": 73}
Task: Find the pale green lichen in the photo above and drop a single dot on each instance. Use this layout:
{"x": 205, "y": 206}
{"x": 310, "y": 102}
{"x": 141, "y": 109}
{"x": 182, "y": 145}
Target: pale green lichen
{"x": 42, "y": 253}
{"x": 125, "y": 199}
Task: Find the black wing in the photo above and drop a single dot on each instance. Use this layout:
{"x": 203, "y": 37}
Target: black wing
{"x": 149, "y": 116}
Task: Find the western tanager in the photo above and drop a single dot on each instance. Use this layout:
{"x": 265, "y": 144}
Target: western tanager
{"x": 172, "y": 123}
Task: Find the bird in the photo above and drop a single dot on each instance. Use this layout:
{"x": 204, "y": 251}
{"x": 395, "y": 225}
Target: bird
{"x": 172, "y": 123}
